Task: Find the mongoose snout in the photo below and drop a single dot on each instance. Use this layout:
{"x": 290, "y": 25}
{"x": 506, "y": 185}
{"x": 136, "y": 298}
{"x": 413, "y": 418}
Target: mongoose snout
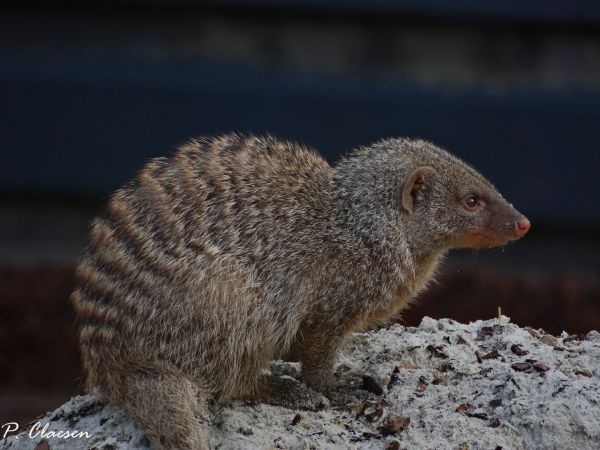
{"x": 237, "y": 250}
{"x": 522, "y": 226}
{"x": 506, "y": 224}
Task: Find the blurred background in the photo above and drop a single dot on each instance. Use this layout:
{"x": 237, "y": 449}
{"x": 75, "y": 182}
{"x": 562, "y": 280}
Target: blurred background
{"x": 89, "y": 90}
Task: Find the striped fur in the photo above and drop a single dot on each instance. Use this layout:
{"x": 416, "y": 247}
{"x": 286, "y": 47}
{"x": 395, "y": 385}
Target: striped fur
{"x": 237, "y": 250}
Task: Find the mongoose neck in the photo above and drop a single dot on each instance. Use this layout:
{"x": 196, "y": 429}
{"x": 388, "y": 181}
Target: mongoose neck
{"x": 368, "y": 228}
{"x": 365, "y": 191}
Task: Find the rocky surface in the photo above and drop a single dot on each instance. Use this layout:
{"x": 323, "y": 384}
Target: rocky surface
{"x": 482, "y": 385}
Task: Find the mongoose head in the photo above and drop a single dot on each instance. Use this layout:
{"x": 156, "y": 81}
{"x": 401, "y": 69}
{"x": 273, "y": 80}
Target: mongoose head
{"x": 411, "y": 190}
{"x": 456, "y": 204}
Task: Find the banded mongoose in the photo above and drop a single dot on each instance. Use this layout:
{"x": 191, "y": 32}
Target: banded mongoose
{"x": 238, "y": 250}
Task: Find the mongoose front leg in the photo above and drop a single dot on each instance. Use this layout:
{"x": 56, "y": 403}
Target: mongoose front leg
{"x": 316, "y": 348}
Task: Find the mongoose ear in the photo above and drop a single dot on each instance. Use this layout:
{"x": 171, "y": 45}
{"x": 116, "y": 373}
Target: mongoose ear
{"x": 413, "y": 187}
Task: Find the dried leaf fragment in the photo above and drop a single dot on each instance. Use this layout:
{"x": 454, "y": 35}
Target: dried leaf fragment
{"x": 445, "y": 367}
{"x": 393, "y": 378}
{"x": 517, "y": 350}
{"x": 484, "y": 332}
{"x": 495, "y": 402}
{"x": 550, "y": 340}
{"x": 43, "y": 445}
{"x": 439, "y": 380}
{"x": 392, "y": 445}
{"x": 478, "y": 356}
{"x": 436, "y": 351}
{"x": 461, "y": 340}
{"x": 407, "y": 366}
{"x": 395, "y": 423}
{"x": 491, "y": 355}
{"x": 521, "y": 366}
{"x": 495, "y": 422}
{"x": 465, "y": 408}
{"x": 572, "y": 337}
{"x": 375, "y": 415}
{"x": 534, "y": 333}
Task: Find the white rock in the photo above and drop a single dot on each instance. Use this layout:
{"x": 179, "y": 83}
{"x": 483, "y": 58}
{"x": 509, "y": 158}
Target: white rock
{"x": 593, "y": 336}
{"x": 556, "y": 409}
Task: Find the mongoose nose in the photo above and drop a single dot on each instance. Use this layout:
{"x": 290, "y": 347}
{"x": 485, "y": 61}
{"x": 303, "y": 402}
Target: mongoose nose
{"x": 522, "y": 226}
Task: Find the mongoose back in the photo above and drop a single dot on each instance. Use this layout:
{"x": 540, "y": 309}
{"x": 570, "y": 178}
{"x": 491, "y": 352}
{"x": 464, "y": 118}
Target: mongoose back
{"x": 239, "y": 250}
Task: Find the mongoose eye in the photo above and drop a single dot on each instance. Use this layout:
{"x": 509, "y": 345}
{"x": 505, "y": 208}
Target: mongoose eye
{"x": 471, "y": 202}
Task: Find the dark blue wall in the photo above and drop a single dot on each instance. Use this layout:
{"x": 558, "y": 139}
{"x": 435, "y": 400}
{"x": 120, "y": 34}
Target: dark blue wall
{"x": 84, "y": 128}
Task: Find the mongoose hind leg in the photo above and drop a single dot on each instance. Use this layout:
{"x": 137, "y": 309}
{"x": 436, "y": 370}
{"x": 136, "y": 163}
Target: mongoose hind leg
{"x": 170, "y": 409}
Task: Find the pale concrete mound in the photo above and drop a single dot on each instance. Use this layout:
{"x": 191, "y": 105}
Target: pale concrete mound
{"x": 484, "y": 385}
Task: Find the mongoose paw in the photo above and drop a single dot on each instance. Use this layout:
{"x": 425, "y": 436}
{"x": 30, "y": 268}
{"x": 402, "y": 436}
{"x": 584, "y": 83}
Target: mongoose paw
{"x": 347, "y": 390}
{"x": 291, "y": 393}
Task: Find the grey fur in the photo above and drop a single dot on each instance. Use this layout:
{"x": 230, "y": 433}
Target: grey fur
{"x": 238, "y": 250}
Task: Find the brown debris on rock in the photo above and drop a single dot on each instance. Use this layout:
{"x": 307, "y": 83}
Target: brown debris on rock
{"x": 445, "y": 367}
{"x": 484, "y": 332}
{"x": 495, "y": 423}
{"x": 394, "y": 423}
{"x": 517, "y": 350}
{"x": 478, "y": 356}
{"x": 392, "y": 445}
{"x": 521, "y": 366}
{"x": 440, "y": 380}
{"x": 491, "y": 355}
{"x": 550, "y": 340}
{"x": 465, "y": 408}
{"x": 393, "y": 378}
{"x": 296, "y": 420}
{"x": 436, "y": 351}
{"x": 370, "y": 384}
